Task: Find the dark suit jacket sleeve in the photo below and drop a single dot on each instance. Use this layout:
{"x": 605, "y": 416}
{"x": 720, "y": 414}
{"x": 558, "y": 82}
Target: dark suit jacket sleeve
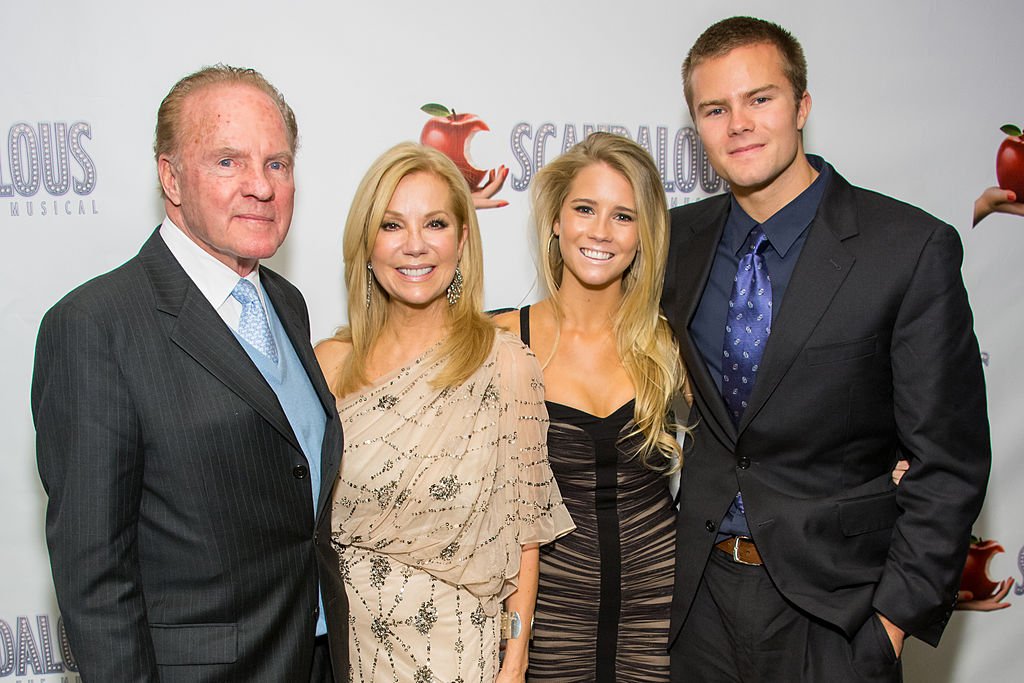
{"x": 89, "y": 452}
{"x": 942, "y": 424}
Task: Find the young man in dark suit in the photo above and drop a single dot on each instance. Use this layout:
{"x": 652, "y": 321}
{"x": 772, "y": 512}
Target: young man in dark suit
{"x": 185, "y": 436}
{"x": 827, "y": 334}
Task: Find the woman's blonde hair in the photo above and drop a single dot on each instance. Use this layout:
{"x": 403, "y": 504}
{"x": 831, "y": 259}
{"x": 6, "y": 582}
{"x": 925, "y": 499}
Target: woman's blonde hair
{"x": 649, "y": 352}
{"x": 471, "y": 334}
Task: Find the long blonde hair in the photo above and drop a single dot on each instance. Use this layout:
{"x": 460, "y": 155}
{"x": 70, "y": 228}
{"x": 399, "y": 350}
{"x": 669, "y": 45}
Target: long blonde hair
{"x": 649, "y": 351}
{"x": 471, "y": 334}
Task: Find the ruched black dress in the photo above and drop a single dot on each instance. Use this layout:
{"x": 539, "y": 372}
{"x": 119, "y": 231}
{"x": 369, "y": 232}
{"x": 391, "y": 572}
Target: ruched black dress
{"x": 606, "y": 588}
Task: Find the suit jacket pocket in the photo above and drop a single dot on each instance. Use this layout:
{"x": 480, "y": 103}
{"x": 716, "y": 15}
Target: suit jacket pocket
{"x": 849, "y": 350}
{"x": 179, "y": 644}
{"x": 868, "y": 513}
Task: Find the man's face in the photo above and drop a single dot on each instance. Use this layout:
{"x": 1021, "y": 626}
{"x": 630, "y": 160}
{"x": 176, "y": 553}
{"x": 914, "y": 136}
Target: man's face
{"x": 747, "y": 118}
{"x": 230, "y": 186}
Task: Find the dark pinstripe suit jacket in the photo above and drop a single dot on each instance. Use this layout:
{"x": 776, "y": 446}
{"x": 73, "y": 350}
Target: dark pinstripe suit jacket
{"x": 180, "y": 523}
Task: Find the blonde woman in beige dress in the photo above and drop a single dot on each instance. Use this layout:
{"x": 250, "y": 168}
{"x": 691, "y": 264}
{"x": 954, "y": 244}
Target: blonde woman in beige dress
{"x": 445, "y": 491}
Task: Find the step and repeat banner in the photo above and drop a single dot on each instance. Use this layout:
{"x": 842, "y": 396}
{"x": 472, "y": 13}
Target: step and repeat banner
{"x": 908, "y": 98}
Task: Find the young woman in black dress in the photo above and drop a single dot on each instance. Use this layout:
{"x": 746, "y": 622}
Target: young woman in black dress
{"x": 611, "y": 371}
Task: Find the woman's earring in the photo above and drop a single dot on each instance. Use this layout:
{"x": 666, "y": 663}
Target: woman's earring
{"x": 455, "y": 288}
{"x": 369, "y": 283}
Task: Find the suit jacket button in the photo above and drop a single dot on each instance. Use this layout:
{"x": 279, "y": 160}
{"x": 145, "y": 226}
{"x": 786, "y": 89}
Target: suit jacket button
{"x": 743, "y": 463}
{"x": 300, "y": 472}
{"x": 709, "y": 525}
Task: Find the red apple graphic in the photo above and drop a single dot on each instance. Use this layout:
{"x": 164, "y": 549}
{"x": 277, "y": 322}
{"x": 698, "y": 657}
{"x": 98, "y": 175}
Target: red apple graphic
{"x": 975, "y": 577}
{"x": 1010, "y": 161}
{"x": 451, "y": 133}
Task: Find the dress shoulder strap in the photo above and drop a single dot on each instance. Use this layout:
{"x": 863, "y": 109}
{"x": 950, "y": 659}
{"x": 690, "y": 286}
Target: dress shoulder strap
{"x": 524, "y": 324}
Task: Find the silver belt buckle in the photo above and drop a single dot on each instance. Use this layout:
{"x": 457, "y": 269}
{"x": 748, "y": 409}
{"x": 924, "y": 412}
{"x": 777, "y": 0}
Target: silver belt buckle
{"x": 736, "y": 551}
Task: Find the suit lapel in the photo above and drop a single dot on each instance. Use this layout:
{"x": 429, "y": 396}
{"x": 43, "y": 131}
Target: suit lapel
{"x": 294, "y": 323}
{"x": 202, "y": 334}
{"x": 820, "y": 270}
{"x": 691, "y": 271}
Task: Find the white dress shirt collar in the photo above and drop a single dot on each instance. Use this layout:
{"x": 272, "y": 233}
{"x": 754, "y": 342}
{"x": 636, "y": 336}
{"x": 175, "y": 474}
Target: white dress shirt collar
{"x": 214, "y": 279}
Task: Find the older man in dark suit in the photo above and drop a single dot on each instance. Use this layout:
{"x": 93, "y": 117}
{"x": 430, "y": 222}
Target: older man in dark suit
{"x": 185, "y": 436}
{"x": 827, "y": 333}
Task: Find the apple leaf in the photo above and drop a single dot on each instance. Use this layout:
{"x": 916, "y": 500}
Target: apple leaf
{"x": 435, "y": 109}
{"x": 1011, "y": 130}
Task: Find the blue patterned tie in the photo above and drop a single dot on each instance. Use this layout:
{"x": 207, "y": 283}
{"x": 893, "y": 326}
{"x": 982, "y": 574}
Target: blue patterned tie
{"x": 748, "y": 324}
{"x": 253, "y": 326}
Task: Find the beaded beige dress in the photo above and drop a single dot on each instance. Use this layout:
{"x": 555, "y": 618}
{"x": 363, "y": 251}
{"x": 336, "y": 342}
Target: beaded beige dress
{"x": 438, "y": 491}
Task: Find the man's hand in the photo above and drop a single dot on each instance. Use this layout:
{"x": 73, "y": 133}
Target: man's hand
{"x": 896, "y": 635}
{"x": 897, "y": 472}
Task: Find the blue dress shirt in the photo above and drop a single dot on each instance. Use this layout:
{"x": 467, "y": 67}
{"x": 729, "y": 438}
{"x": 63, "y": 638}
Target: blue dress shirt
{"x": 787, "y": 231}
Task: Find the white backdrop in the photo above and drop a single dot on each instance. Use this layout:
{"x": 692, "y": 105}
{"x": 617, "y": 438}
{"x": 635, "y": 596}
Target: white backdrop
{"x": 908, "y": 98}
